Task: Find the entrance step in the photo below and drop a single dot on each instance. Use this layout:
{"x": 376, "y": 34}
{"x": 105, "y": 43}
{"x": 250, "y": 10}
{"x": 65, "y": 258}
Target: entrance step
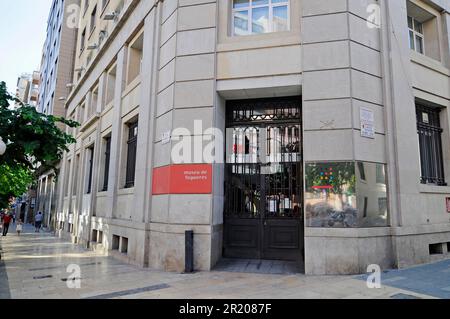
{"x": 274, "y": 267}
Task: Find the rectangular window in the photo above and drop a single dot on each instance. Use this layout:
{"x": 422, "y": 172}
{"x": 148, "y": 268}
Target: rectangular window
{"x": 82, "y": 113}
{"x": 104, "y": 4}
{"x": 107, "y": 161}
{"x": 90, "y": 169}
{"x": 381, "y": 174}
{"x": 362, "y": 171}
{"x": 93, "y": 18}
{"x": 75, "y": 173}
{"x": 366, "y": 204}
{"x": 382, "y": 205}
{"x": 430, "y": 142}
{"x": 86, "y": 6}
{"x": 131, "y": 155}
{"x": 94, "y": 235}
{"x": 66, "y": 178}
{"x": 135, "y": 54}
{"x": 260, "y": 16}
{"x": 83, "y": 40}
{"x": 93, "y": 103}
{"x": 416, "y": 38}
{"x": 115, "y": 242}
{"x": 110, "y": 85}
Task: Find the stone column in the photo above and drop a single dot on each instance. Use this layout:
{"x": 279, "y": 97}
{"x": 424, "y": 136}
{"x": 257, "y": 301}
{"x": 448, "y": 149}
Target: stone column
{"x": 402, "y": 142}
{"x": 116, "y": 135}
{"x": 341, "y": 75}
{"x": 186, "y": 90}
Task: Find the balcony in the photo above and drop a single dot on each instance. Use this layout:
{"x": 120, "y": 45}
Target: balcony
{"x": 34, "y": 95}
{"x": 36, "y": 78}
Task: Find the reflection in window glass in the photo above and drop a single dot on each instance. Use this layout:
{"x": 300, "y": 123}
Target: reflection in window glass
{"x": 337, "y": 197}
{"x": 260, "y": 20}
{"x": 240, "y": 3}
{"x": 411, "y": 40}
{"x": 362, "y": 171}
{"x": 416, "y": 36}
{"x": 418, "y": 26}
{"x": 241, "y": 22}
{"x": 244, "y": 141}
{"x": 260, "y": 16}
{"x": 280, "y": 18}
{"x": 381, "y": 174}
{"x": 419, "y": 44}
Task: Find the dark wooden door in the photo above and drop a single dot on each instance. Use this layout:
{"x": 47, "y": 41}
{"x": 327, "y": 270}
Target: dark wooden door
{"x": 263, "y": 192}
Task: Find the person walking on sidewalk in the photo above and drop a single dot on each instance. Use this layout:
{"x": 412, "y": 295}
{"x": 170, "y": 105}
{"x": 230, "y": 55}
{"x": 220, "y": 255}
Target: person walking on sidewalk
{"x": 19, "y": 227}
{"x": 6, "y": 221}
{"x": 38, "y": 221}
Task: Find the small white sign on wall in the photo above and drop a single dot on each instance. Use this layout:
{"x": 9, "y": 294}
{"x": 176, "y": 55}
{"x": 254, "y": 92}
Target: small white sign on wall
{"x": 367, "y": 118}
{"x": 166, "y": 137}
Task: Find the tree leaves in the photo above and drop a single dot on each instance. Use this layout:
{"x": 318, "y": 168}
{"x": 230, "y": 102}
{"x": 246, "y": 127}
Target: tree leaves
{"x": 14, "y": 181}
{"x": 33, "y": 140}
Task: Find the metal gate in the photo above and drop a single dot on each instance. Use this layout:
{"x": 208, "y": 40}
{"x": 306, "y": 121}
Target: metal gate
{"x": 263, "y": 216}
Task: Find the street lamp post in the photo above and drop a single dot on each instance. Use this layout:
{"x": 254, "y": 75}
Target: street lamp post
{"x": 2, "y": 147}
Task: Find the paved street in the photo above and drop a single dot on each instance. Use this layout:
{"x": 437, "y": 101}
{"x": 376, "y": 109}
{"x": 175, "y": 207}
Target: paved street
{"x": 35, "y": 266}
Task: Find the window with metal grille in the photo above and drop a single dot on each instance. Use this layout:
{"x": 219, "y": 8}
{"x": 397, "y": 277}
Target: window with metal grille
{"x": 131, "y": 155}
{"x": 430, "y": 142}
{"x": 107, "y": 161}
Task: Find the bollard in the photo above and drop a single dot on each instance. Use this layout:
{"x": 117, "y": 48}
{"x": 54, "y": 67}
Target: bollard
{"x": 189, "y": 255}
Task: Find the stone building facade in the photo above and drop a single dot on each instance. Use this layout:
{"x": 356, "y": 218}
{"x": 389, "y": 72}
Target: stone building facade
{"x": 55, "y": 78}
{"x": 332, "y": 117}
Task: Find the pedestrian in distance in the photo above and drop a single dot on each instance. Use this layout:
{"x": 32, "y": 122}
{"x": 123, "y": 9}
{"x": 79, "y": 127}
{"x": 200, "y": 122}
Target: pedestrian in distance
{"x": 19, "y": 227}
{"x": 6, "y": 221}
{"x": 38, "y": 221}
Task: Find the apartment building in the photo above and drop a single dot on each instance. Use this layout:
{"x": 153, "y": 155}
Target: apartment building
{"x": 27, "y": 88}
{"x": 310, "y": 132}
{"x": 57, "y": 65}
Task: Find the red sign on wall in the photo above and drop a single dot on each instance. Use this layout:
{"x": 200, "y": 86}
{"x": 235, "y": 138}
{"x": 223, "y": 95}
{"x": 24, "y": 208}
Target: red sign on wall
{"x": 448, "y": 204}
{"x": 182, "y": 179}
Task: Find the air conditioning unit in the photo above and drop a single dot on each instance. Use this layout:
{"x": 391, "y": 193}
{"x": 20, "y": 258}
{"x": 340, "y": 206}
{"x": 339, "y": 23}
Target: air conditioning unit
{"x": 111, "y": 16}
{"x": 92, "y": 47}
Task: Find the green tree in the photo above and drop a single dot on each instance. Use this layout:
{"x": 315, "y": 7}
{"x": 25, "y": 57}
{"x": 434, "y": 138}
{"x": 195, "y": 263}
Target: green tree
{"x": 33, "y": 140}
{"x": 13, "y": 182}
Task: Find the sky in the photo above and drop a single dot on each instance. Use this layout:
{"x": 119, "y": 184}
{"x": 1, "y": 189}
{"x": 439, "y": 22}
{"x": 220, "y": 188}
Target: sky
{"x": 22, "y": 35}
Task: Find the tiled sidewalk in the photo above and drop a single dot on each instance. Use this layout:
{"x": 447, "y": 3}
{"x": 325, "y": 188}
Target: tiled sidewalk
{"x": 432, "y": 279}
{"x": 35, "y": 266}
